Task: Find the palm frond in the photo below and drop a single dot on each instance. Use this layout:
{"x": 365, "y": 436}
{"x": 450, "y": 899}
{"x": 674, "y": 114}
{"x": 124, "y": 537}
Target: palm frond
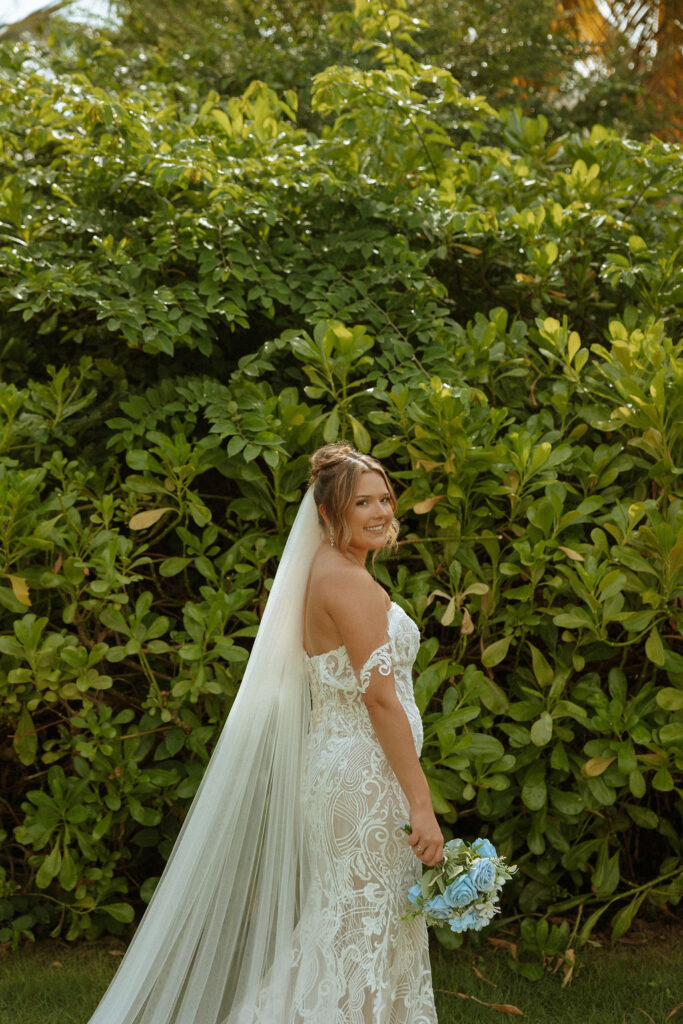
{"x": 31, "y": 21}
{"x": 585, "y": 18}
{"x": 653, "y": 29}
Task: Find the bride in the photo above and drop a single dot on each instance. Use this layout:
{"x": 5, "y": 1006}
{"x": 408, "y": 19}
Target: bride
{"x": 283, "y": 897}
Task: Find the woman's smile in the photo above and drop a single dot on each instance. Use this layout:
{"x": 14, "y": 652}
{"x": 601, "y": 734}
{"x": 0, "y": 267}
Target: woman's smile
{"x": 369, "y": 515}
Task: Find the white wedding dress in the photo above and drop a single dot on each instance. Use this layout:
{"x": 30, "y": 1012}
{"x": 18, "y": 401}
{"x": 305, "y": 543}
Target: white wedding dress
{"x": 282, "y": 899}
{"x": 355, "y": 960}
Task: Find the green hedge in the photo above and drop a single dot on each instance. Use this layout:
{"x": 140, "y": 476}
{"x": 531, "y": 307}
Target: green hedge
{"x": 195, "y": 293}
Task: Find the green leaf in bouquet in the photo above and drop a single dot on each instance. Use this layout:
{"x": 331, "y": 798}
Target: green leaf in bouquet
{"x": 447, "y": 938}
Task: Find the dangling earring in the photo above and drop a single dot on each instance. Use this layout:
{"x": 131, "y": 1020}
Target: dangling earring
{"x": 331, "y": 537}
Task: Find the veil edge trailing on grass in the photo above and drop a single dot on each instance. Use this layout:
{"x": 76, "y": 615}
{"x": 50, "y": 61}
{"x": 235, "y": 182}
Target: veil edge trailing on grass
{"x": 219, "y": 927}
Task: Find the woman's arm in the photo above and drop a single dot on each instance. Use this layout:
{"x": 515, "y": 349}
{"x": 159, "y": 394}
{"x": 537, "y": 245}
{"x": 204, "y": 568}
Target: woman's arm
{"x": 359, "y": 610}
{"x": 392, "y": 729}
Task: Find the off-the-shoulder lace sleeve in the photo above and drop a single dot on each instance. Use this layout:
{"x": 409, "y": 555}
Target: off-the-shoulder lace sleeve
{"x": 379, "y": 659}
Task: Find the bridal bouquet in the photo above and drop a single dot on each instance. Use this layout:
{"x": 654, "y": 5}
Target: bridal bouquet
{"x": 462, "y": 890}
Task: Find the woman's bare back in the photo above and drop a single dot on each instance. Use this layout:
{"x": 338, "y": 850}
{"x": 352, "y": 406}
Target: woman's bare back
{"x": 332, "y": 576}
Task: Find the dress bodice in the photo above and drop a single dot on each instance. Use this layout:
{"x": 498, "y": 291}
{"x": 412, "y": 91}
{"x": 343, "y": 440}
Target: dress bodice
{"x": 337, "y": 692}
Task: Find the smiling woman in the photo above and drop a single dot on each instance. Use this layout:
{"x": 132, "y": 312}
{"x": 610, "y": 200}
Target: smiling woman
{"x": 356, "y": 959}
{"x": 286, "y": 895}
{"x": 355, "y": 499}
{"x": 369, "y": 516}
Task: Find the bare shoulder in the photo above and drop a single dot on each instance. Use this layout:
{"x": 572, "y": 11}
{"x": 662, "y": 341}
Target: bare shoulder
{"x": 348, "y": 605}
{"x": 337, "y": 584}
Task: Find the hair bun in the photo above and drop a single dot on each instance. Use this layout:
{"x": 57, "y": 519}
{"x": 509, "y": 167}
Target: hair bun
{"x": 330, "y": 455}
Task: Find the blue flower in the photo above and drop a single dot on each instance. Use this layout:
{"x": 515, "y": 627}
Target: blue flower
{"x": 464, "y": 921}
{"x": 453, "y": 844}
{"x": 415, "y": 895}
{"x": 483, "y": 874}
{"x": 438, "y": 908}
{"x": 461, "y": 892}
{"x": 484, "y": 848}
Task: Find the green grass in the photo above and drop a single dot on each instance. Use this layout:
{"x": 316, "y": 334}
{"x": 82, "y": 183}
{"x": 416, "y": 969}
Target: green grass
{"x": 54, "y": 982}
{"x": 639, "y": 981}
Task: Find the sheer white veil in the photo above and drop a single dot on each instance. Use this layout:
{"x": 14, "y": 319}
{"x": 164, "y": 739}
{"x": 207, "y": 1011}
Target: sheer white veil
{"x": 218, "y": 931}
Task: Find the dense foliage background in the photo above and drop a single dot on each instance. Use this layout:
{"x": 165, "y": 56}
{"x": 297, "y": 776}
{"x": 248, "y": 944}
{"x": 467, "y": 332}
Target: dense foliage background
{"x": 197, "y": 290}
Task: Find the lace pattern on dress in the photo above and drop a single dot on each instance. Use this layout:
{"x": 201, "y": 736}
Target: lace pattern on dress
{"x": 379, "y": 659}
{"x": 356, "y": 959}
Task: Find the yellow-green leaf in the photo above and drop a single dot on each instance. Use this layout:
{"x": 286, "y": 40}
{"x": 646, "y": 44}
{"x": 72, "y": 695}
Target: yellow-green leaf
{"x": 657, "y": 391}
{"x": 143, "y": 520}
{"x": 472, "y": 249}
{"x": 581, "y": 359}
{"x": 541, "y": 454}
{"x": 476, "y": 588}
{"x": 422, "y": 507}
{"x": 361, "y": 437}
{"x": 449, "y": 614}
{"x": 543, "y": 671}
{"x": 573, "y": 345}
{"x": 570, "y": 553}
{"x": 495, "y": 652}
{"x": 222, "y": 119}
{"x": 20, "y": 589}
{"x": 551, "y": 252}
{"x": 597, "y": 765}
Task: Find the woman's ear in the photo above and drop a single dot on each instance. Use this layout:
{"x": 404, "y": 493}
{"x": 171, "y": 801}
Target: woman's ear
{"x": 323, "y": 512}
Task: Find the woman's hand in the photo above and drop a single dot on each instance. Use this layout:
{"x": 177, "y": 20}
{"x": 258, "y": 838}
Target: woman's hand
{"x": 425, "y": 838}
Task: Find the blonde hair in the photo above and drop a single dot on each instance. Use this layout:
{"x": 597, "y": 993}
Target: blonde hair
{"x": 335, "y": 473}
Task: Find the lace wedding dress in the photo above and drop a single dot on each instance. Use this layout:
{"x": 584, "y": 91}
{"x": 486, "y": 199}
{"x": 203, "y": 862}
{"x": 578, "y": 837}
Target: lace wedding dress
{"x": 270, "y": 912}
{"x": 355, "y": 960}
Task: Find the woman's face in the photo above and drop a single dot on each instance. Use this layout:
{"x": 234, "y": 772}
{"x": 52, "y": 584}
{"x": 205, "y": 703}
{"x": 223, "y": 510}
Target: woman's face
{"x": 369, "y": 514}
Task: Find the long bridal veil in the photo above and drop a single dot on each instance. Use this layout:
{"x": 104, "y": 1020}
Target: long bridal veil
{"x": 217, "y": 935}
